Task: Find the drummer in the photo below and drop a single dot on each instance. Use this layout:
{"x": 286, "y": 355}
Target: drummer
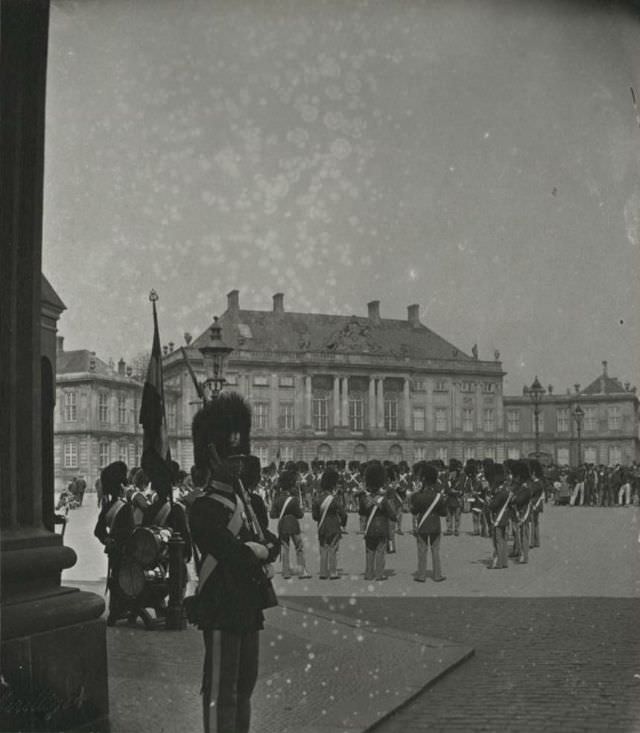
{"x": 113, "y": 528}
{"x": 137, "y": 497}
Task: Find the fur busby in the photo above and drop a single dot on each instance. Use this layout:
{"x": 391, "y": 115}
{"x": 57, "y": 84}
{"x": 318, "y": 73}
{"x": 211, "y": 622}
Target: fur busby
{"x": 471, "y": 467}
{"x": 113, "y": 477}
{"x": 391, "y": 471}
{"x": 536, "y": 468}
{"x": 158, "y": 470}
{"x": 427, "y": 473}
{"x": 140, "y": 479}
{"x": 455, "y": 465}
{"x": 495, "y": 474}
{"x": 303, "y": 466}
{"x": 214, "y": 424}
{"x": 329, "y": 479}
{"x": 374, "y": 476}
{"x": 521, "y": 471}
{"x": 353, "y": 466}
{"x": 287, "y": 480}
{"x": 251, "y": 472}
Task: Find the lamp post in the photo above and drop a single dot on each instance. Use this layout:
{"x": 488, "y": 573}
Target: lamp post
{"x": 578, "y": 416}
{"x": 535, "y": 392}
{"x": 215, "y": 355}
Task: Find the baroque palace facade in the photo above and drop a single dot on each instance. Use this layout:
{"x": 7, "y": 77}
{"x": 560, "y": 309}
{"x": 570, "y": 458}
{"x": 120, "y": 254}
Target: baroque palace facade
{"x": 340, "y": 387}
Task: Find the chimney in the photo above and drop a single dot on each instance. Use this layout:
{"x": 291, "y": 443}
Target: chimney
{"x": 577, "y": 388}
{"x": 278, "y": 303}
{"x": 187, "y": 338}
{"x": 374, "y": 312}
{"x": 121, "y": 367}
{"x": 233, "y": 301}
{"x": 413, "y": 315}
{"x": 129, "y": 370}
{"x": 165, "y": 350}
{"x": 171, "y": 345}
{"x": 604, "y": 369}
{"x": 627, "y": 386}
{"x": 550, "y": 389}
{"x": 92, "y": 362}
{"x": 59, "y": 344}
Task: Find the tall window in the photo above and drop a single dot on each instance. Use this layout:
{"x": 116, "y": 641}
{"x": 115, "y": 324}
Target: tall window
{"x": 562, "y": 456}
{"x": 70, "y": 406}
{"x": 513, "y": 454}
{"x": 513, "y": 422}
{"x": 468, "y": 453}
{"x": 356, "y": 413}
{"x": 590, "y": 455}
{"x": 103, "y": 407}
{"x": 489, "y": 419}
{"x": 615, "y": 420}
{"x": 419, "y": 385}
{"x": 71, "y": 454}
{"x": 260, "y": 380}
{"x": 286, "y": 419}
{"x": 122, "y": 409}
{"x": 489, "y": 387}
{"x": 418, "y": 419}
{"x": 287, "y": 381}
{"x": 466, "y": 387}
{"x": 263, "y": 454}
{"x": 133, "y": 457}
{"x": 490, "y": 452}
{"x": 286, "y": 453}
{"x": 320, "y": 411}
{"x": 442, "y": 453}
{"x": 419, "y": 453}
{"x": 441, "y": 419}
{"x": 440, "y": 386}
{"x": 467, "y": 419}
{"x": 615, "y": 455}
{"x": 540, "y": 421}
{"x": 261, "y": 415}
{"x": 122, "y": 452}
{"x": 562, "y": 419}
{"x": 391, "y": 416}
{"x": 172, "y": 415}
{"x": 103, "y": 454}
{"x": 590, "y": 418}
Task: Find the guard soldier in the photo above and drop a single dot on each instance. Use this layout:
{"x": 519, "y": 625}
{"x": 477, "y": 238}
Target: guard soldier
{"x": 454, "y": 497}
{"x": 287, "y": 510}
{"x": 379, "y": 513}
{"x": 427, "y": 506}
{"x": 329, "y": 512}
{"x": 537, "y": 499}
{"x": 501, "y": 497}
{"x": 233, "y": 549}
{"x": 521, "y": 509}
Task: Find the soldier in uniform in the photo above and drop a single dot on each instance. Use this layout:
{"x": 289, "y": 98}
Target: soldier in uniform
{"x": 137, "y": 498}
{"x": 521, "y": 506}
{"x": 454, "y": 497}
{"x": 500, "y": 498}
{"x": 394, "y": 498}
{"x": 287, "y": 510}
{"x": 113, "y": 529}
{"x": 537, "y": 500}
{"x": 329, "y": 512}
{"x": 378, "y": 512}
{"x": 232, "y": 549}
{"x": 427, "y": 506}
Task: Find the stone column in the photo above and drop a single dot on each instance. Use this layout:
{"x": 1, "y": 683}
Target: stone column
{"x": 50, "y": 635}
{"x": 298, "y": 401}
{"x": 307, "y": 400}
{"x": 345, "y": 402}
{"x": 274, "y": 409}
{"x": 372, "y": 423}
{"x": 406, "y": 404}
{"x": 380, "y": 408}
{"x": 336, "y": 401}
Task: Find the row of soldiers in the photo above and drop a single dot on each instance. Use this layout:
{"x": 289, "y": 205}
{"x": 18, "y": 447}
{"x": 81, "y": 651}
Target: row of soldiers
{"x": 598, "y": 485}
{"x": 505, "y": 501}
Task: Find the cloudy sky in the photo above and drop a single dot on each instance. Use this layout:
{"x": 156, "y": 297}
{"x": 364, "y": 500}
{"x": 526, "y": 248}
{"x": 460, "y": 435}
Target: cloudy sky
{"x": 478, "y": 157}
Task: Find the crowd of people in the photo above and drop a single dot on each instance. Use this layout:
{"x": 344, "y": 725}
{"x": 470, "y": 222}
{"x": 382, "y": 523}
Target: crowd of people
{"x": 596, "y": 485}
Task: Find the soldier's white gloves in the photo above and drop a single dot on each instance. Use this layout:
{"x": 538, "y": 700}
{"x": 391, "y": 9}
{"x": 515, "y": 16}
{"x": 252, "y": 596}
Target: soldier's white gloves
{"x": 260, "y": 551}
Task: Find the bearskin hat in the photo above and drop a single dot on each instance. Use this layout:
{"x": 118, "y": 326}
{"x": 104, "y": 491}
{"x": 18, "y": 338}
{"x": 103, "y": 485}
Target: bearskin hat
{"x": 113, "y": 477}
{"x": 329, "y": 479}
{"x": 455, "y": 465}
{"x": 391, "y": 471}
{"x": 159, "y": 471}
{"x": 427, "y": 473}
{"x": 471, "y": 467}
{"x": 342, "y": 464}
{"x": 353, "y": 466}
{"x": 495, "y": 474}
{"x": 287, "y": 480}
{"x": 535, "y": 467}
{"x": 521, "y": 470}
{"x": 226, "y": 415}
{"x": 374, "y": 475}
{"x": 251, "y": 472}
{"x": 302, "y": 466}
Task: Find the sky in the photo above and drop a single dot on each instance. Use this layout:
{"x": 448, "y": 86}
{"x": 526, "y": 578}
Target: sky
{"x": 480, "y": 158}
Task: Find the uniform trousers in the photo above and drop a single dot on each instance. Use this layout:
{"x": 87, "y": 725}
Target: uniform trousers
{"x": 524, "y": 536}
{"x": 624, "y": 494}
{"x": 453, "y": 520}
{"x": 284, "y": 553}
{"x": 375, "y": 557}
{"x": 329, "y": 555}
{"x": 535, "y": 529}
{"x": 578, "y": 491}
{"x": 500, "y": 547}
{"x": 424, "y": 543}
{"x": 229, "y": 676}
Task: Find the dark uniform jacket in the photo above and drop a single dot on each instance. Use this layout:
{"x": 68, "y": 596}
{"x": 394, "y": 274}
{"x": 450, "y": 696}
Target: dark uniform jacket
{"x": 122, "y": 524}
{"x": 335, "y": 518}
{"x": 454, "y": 493}
{"x": 537, "y": 494}
{"x": 521, "y": 500}
{"x": 379, "y": 525}
{"x": 289, "y": 524}
{"x": 231, "y": 598}
{"x": 176, "y": 520}
{"x": 496, "y": 503}
{"x": 421, "y": 501}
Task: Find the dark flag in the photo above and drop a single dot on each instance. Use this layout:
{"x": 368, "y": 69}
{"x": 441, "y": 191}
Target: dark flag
{"x": 152, "y": 411}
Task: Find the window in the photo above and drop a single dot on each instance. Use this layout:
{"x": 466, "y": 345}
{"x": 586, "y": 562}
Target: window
{"x": 286, "y": 420}
{"x": 418, "y": 419}
{"x": 466, "y": 386}
{"x": 419, "y": 453}
{"x": 441, "y": 419}
{"x": 172, "y": 416}
{"x": 122, "y": 410}
{"x": 70, "y": 406}
{"x": 562, "y": 419}
{"x": 540, "y": 422}
{"x": 395, "y": 453}
{"x": 287, "y": 381}
{"x": 589, "y": 418}
{"x": 261, "y": 415}
{"x": 489, "y": 387}
{"x": 356, "y": 414}
{"x": 590, "y": 455}
{"x": 71, "y": 454}
{"x": 468, "y": 453}
{"x": 260, "y": 381}
{"x": 232, "y": 380}
{"x": 563, "y": 456}
{"x": 419, "y": 385}
{"x": 103, "y": 407}
{"x": 133, "y": 456}
{"x": 490, "y": 452}
{"x": 513, "y": 422}
{"x": 615, "y": 455}
{"x": 615, "y": 421}
{"x": 286, "y": 453}
{"x": 489, "y": 419}
{"x": 442, "y": 454}
{"x": 122, "y": 452}
{"x": 391, "y": 416}
{"x": 103, "y": 454}
{"x": 263, "y": 454}
{"x": 319, "y": 417}
{"x": 513, "y": 454}
{"x": 440, "y": 386}
{"x": 467, "y": 419}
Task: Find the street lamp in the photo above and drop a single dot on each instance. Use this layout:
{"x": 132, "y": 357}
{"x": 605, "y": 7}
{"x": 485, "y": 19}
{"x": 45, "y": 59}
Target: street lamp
{"x": 215, "y": 355}
{"x": 535, "y": 392}
{"x": 578, "y": 416}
